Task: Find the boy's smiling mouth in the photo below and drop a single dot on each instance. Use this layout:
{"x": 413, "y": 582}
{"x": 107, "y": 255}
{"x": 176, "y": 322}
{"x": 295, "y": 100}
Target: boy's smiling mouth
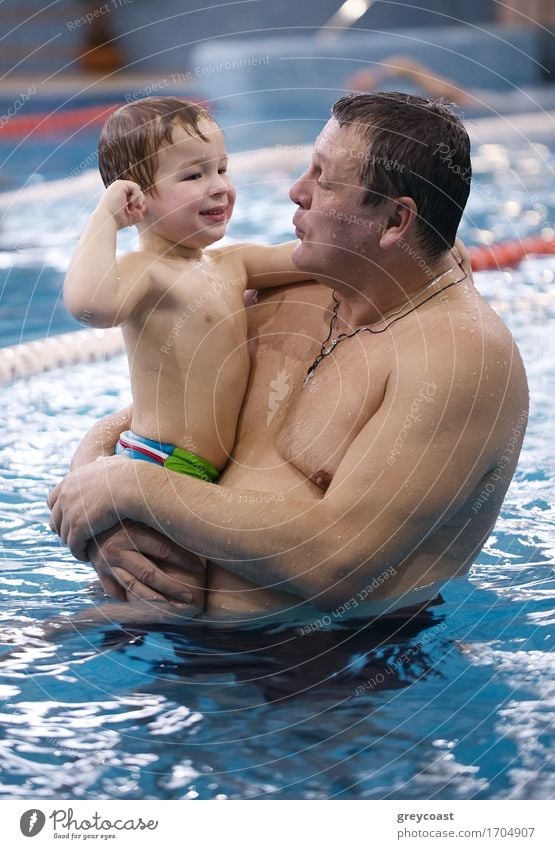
{"x": 217, "y": 213}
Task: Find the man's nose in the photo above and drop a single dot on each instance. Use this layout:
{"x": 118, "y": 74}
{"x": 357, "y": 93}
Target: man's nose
{"x": 300, "y": 192}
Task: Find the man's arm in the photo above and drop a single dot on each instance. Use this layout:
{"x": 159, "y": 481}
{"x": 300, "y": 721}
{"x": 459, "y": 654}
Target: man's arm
{"x": 130, "y": 549}
{"x": 100, "y": 440}
{"x": 384, "y": 499}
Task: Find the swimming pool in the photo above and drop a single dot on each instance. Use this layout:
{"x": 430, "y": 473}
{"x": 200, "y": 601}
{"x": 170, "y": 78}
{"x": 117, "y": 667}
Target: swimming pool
{"x": 455, "y": 705}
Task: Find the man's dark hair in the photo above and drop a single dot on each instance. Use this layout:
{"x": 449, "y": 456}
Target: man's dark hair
{"x": 132, "y": 136}
{"x": 417, "y": 148}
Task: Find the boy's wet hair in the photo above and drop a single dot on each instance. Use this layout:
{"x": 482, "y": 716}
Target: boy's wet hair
{"x": 417, "y": 148}
{"x": 132, "y": 136}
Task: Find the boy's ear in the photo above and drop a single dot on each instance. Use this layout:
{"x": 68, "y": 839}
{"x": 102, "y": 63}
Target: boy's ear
{"x": 147, "y": 199}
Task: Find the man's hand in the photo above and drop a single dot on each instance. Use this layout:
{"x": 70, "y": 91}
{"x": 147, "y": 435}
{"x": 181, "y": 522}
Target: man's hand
{"x": 134, "y": 562}
{"x": 87, "y": 502}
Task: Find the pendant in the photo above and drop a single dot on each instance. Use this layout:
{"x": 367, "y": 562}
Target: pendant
{"x": 330, "y": 349}
{"x": 309, "y": 374}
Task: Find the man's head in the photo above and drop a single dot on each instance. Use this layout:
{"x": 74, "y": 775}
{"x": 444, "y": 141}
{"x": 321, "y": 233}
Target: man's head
{"x": 416, "y": 148}
{"x": 133, "y": 135}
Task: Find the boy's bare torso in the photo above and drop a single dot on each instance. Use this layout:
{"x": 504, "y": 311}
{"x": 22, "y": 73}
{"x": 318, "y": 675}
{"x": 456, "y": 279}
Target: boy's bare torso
{"x": 293, "y": 447}
{"x": 187, "y": 353}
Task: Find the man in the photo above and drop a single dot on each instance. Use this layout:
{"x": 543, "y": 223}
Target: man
{"x": 379, "y": 472}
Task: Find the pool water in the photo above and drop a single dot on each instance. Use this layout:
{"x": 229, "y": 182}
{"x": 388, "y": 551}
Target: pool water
{"x": 455, "y": 704}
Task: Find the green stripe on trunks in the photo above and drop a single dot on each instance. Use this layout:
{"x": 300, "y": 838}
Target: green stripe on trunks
{"x": 191, "y": 464}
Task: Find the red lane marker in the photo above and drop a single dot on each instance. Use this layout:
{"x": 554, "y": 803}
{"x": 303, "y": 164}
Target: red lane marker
{"x": 52, "y": 122}
{"x": 64, "y": 119}
{"x": 509, "y": 253}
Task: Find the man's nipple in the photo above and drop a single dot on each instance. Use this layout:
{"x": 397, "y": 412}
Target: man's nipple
{"x": 321, "y": 478}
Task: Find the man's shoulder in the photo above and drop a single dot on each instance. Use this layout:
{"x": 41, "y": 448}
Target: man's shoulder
{"x": 458, "y": 343}
{"x": 463, "y": 321}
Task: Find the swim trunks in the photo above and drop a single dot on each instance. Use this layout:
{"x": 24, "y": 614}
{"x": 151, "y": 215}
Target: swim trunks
{"x": 167, "y": 455}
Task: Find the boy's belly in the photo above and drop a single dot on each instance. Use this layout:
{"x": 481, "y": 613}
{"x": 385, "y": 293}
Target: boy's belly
{"x": 190, "y": 395}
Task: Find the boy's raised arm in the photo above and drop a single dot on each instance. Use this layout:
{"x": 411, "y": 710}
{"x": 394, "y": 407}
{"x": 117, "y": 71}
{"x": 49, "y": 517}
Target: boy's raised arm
{"x": 99, "y": 289}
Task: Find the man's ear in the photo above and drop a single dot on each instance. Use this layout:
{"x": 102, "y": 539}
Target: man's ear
{"x": 400, "y": 221}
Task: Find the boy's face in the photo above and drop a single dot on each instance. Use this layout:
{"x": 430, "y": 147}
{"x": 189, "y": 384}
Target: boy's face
{"x": 194, "y": 197}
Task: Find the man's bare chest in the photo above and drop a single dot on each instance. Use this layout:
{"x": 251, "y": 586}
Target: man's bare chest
{"x": 332, "y": 407}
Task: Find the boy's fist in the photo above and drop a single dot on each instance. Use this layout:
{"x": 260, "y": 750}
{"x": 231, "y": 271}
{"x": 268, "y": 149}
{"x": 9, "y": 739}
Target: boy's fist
{"x": 125, "y": 201}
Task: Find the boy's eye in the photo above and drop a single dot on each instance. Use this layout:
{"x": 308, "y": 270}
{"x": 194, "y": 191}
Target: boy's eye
{"x": 222, "y": 170}
{"x": 193, "y": 176}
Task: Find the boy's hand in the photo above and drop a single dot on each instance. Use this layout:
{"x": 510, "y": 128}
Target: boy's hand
{"x": 125, "y": 201}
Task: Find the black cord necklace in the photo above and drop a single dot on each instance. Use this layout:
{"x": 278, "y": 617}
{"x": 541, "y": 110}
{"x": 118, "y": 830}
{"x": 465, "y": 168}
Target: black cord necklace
{"x": 342, "y": 336}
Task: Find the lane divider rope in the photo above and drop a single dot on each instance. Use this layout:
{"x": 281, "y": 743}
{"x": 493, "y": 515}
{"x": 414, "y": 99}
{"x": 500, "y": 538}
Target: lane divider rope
{"x": 80, "y": 346}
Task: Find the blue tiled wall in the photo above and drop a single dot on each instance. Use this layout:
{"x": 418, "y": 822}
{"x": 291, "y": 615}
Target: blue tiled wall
{"x": 39, "y": 37}
{"x": 268, "y": 76}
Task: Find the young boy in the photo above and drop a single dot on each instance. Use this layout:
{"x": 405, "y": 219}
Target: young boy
{"x": 181, "y": 307}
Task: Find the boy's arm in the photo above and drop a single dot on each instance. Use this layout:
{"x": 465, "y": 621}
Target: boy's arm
{"x": 270, "y": 265}
{"x": 100, "y": 290}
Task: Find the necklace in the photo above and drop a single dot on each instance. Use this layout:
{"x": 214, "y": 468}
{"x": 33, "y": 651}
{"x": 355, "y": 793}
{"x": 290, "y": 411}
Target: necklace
{"x": 342, "y": 336}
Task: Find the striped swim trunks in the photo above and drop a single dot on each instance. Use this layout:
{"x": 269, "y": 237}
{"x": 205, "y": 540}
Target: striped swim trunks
{"x": 167, "y": 455}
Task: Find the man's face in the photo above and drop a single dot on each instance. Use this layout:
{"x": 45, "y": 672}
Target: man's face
{"x": 335, "y": 230}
